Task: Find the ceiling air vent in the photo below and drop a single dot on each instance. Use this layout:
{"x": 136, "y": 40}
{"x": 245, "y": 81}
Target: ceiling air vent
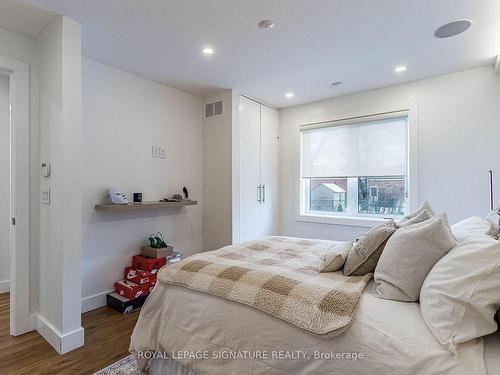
{"x": 214, "y": 109}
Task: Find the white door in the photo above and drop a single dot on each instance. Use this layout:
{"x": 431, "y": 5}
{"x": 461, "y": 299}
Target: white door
{"x": 269, "y": 171}
{"x": 249, "y": 144}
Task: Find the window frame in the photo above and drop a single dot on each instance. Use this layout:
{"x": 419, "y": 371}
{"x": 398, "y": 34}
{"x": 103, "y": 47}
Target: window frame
{"x": 408, "y": 109}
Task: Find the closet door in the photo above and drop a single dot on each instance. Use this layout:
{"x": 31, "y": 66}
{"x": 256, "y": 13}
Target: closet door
{"x": 249, "y": 144}
{"x": 269, "y": 130}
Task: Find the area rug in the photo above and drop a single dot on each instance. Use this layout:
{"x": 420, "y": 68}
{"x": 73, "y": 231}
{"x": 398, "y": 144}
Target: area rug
{"x": 125, "y": 366}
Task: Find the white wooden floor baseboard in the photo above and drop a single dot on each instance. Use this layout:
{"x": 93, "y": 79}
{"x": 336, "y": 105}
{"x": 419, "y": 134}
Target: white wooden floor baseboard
{"x": 4, "y": 286}
{"x": 95, "y": 301}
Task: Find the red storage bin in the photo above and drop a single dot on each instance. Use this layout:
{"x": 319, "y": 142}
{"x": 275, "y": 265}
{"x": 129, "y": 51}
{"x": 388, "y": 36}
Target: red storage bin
{"x": 152, "y": 281}
{"x": 131, "y": 290}
{"x": 137, "y": 276}
{"x": 148, "y": 264}
{"x": 151, "y": 286}
{"x": 153, "y": 277}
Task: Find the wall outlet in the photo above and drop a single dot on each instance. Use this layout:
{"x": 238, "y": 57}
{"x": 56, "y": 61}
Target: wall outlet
{"x": 46, "y": 196}
{"x": 155, "y": 152}
{"x": 163, "y": 153}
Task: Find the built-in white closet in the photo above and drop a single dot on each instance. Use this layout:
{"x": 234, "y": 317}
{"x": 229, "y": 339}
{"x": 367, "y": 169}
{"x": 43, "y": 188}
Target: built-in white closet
{"x": 258, "y": 127}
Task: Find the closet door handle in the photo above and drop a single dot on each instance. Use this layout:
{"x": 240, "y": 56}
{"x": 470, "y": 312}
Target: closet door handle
{"x": 259, "y": 194}
{"x": 263, "y": 193}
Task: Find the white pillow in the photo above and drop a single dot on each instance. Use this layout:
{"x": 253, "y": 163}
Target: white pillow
{"x": 461, "y": 294}
{"x": 471, "y": 226}
{"x": 334, "y": 259}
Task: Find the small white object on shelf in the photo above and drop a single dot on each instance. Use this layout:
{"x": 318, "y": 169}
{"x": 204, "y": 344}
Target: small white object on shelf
{"x": 117, "y": 197}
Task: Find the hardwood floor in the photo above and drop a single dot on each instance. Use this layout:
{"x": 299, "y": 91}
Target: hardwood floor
{"x": 107, "y": 337}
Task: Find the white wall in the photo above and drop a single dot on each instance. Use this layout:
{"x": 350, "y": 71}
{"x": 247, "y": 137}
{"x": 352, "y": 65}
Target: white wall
{"x": 4, "y": 183}
{"x": 60, "y": 123}
{"x": 458, "y": 133}
{"x": 218, "y": 174}
{"x": 123, "y": 117}
{"x": 54, "y": 253}
{"x": 22, "y": 48}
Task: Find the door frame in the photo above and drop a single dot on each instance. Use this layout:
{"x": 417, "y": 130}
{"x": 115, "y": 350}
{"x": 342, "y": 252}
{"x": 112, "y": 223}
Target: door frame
{"x": 21, "y": 320}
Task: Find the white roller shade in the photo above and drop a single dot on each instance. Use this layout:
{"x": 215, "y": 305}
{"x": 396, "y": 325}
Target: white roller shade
{"x": 366, "y": 148}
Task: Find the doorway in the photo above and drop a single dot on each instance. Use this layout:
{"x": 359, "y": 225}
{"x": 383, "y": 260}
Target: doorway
{"x": 4, "y": 182}
{"x": 14, "y": 191}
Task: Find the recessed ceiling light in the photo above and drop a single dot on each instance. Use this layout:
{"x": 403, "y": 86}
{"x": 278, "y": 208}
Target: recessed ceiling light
{"x": 266, "y": 24}
{"x": 453, "y": 28}
{"x": 208, "y": 51}
{"x": 400, "y": 69}
{"x": 289, "y": 94}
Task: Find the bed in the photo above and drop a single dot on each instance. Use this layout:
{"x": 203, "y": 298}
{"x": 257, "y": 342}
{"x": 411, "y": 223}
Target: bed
{"x": 190, "y": 332}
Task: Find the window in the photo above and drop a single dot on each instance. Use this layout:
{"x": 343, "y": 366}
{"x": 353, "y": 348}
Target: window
{"x": 356, "y": 167}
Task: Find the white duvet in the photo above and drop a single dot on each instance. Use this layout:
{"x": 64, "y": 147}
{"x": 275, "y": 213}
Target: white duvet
{"x": 386, "y": 337}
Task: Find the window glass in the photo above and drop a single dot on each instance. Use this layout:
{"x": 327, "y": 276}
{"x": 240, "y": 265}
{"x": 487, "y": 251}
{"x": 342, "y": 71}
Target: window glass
{"x": 355, "y": 169}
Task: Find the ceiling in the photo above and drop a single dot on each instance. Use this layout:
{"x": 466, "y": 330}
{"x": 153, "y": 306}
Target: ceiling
{"x": 34, "y": 20}
{"x": 314, "y": 43}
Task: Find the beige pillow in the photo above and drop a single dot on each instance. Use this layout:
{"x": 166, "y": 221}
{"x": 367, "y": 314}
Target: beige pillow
{"x": 365, "y": 253}
{"x": 422, "y": 216}
{"x": 334, "y": 259}
{"x": 423, "y": 207}
{"x": 409, "y": 256}
{"x": 460, "y": 296}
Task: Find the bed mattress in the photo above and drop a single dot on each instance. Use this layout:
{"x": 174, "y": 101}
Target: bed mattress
{"x": 201, "y": 331}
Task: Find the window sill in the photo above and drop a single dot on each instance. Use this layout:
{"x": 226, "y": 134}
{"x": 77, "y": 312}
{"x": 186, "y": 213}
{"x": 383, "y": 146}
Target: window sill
{"x": 355, "y": 221}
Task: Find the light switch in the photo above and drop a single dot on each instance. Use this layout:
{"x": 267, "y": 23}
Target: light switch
{"x": 45, "y": 169}
{"x": 163, "y": 153}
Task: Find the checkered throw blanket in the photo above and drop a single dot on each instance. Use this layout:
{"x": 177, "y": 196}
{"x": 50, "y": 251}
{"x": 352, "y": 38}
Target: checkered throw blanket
{"x": 279, "y": 276}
